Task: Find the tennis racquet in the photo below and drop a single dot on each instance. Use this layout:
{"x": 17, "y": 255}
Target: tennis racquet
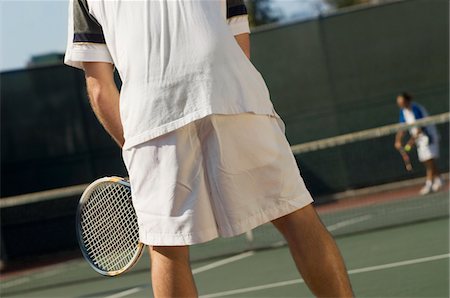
{"x": 107, "y": 226}
{"x": 406, "y": 159}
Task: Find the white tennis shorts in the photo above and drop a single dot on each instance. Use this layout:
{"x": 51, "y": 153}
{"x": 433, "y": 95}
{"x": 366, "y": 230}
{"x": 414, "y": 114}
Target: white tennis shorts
{"x": 427, "y": 150}
{"x": 218, "y": 176}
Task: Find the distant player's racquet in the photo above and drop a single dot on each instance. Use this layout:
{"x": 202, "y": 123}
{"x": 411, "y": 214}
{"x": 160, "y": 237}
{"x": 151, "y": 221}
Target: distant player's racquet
{"x": 107, "y": 226}
{"x": 406, "y": 159}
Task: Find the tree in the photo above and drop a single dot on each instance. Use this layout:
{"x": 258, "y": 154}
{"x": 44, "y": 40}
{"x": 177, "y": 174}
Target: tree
{"x": 271, "y": 11}
{"x": 262, "y": 12}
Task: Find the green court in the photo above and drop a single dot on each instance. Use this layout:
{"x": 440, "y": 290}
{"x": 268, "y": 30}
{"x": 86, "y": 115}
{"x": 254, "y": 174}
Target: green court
{"x": 404, "y": 260}
{"x": 333, "y": 73}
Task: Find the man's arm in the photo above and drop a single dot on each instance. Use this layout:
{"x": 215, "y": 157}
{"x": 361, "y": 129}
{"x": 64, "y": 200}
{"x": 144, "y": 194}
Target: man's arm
{"x": 104, "y": 97}
{"x": 244, "y": 42}
{"x": 398, "y": 139}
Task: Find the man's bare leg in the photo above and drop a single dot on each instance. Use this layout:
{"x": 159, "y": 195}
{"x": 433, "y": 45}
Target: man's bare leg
{"x": 171, "y": 272}
{"x": 434, "y": 168}
{"x": 315, "y": 253}
{"x": 431, "y": 169}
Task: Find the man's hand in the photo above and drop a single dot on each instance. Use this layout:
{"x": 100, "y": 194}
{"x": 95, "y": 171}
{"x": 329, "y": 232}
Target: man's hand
{"x": 244, "y": 42}
{"x": 398, "y": 145}
{"x": 104, "y": 97}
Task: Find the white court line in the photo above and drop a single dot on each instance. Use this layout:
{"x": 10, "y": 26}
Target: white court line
{"x": 335, "y": 226}
{"x": 349, "y": 222}
{"x": 399, "y": 264}
{"x": 45, "y": 272}
{"x": 126, "y": 292}
{"x": 354, "y": 271}
{"x": 15, "y": 282}
{"x": 223, "y": 262}
{"x": 194, "y": 271}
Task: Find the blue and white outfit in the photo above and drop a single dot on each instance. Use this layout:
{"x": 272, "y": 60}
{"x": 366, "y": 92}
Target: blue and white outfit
{"x": 427, "y": 137}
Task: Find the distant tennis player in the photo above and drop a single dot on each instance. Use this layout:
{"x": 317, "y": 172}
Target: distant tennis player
{"x": 425, "y": 138}
{"x": 205, "y": 151}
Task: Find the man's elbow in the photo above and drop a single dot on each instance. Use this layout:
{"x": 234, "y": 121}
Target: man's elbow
{"x": 95, "y": 96}
{"x": 97, "y": 92}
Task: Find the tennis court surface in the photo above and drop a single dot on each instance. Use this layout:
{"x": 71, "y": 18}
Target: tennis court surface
{"x": 395, "y": 244}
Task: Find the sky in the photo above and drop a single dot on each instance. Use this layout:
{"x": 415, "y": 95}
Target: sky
{"x": 30, "y": 28}
{"x": 35, "y": 27}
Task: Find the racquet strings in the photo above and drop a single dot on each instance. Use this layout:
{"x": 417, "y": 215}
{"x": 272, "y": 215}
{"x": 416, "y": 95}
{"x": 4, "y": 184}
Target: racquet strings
{"x": 109, "y": 227}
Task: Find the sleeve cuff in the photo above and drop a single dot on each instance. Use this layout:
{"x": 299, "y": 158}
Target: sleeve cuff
{"x": 239, "y": 25}
{"x": 87, "y": 52}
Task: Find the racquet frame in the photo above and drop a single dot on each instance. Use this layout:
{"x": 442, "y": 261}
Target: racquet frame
{"x": 406, "y": 159}
{"x": 84, "y": 198}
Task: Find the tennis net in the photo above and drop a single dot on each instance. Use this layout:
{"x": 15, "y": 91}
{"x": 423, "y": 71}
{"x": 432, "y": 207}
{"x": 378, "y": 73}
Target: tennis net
{"x": 369, "y": 185}
{"x": 358, "y": 180}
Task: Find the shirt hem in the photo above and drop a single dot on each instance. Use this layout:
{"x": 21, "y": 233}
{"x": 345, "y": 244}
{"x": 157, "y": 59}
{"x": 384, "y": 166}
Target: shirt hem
{"x": 239, "y": 25}
{"x": 87, "y": 53}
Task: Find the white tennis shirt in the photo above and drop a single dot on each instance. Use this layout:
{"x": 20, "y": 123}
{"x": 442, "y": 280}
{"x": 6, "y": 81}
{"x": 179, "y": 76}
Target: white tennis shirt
{"x": 178, "y": 60}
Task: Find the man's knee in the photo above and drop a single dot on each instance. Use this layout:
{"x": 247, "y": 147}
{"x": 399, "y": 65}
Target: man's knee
{"x": 302, "y": 219}
{"x": 174, "y": 253}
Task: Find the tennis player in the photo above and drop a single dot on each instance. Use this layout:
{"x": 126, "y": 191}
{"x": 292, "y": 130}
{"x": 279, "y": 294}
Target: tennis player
{"x": 425, "y": 138}
{"x": 205, "y": 151}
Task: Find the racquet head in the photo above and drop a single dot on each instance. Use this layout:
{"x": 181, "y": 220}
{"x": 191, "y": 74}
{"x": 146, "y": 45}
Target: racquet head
{"x": 107, "y": 227}
{"x": 406, "y": 160}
